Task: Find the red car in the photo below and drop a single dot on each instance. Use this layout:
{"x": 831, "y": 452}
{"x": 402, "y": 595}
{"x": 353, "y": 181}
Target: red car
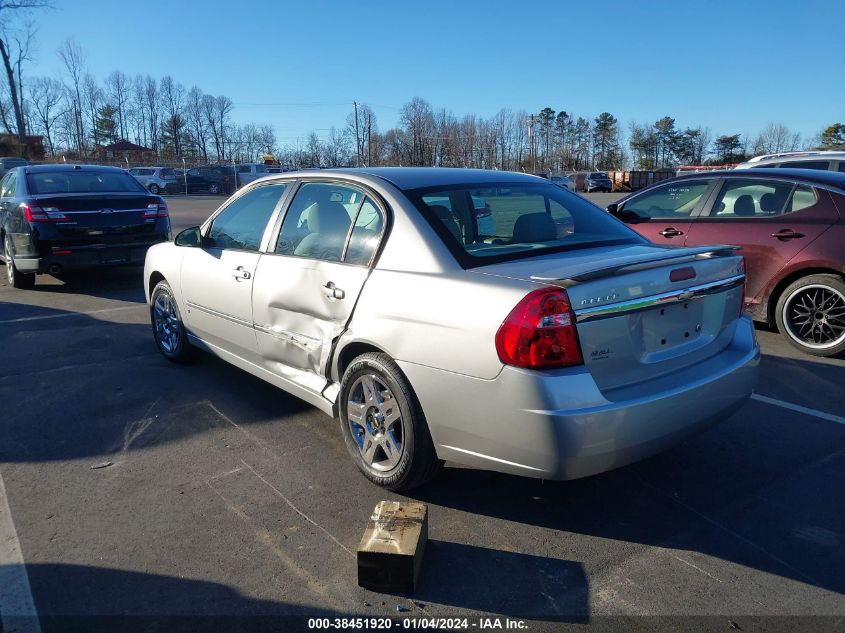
{"x": 790, "y": 224}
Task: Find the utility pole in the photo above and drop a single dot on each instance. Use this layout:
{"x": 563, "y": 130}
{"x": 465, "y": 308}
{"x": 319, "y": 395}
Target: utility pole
{"x": 369, "y": 138}
{"x": 531, "y": 142}
{"x": 357, "y": 138}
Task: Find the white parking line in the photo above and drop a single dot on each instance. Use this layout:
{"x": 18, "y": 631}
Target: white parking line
{"x": 73, "y": 314}
{"x": 797, "y": 407}
{"x": 17, "y": 608}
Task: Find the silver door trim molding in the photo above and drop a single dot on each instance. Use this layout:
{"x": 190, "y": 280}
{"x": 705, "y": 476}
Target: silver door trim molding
{"x": 306, "y": 342}
{"x": 663, "y": 299}
{"x": 217, "y": 313}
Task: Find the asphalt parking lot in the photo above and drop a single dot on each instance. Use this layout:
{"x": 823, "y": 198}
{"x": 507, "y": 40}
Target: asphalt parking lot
{"x": 138, "y": 487}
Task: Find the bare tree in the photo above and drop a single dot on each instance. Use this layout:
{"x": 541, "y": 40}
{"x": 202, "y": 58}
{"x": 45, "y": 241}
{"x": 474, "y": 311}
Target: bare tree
{"x": 74, "y": 61}
{"x": 118, "y": 89}
{"x": 14, "y": 55}
{"x": 776, "y": 138}
{"x": 197, "y": 121}
{"x": 93, "y": 98}
{"x": 46, "y": 95}
{"x": 173, "y": 98}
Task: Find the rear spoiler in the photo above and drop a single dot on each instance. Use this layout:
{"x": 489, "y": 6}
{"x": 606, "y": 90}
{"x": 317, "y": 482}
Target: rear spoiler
{"x": 634, "y": 264}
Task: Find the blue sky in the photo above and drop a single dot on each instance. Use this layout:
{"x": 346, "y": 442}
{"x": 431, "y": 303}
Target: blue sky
{"x": 732, "y": 66}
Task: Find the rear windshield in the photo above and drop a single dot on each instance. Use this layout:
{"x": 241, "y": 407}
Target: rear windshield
{"x": 487, "y": 224}
{"x": 82, "y": 182}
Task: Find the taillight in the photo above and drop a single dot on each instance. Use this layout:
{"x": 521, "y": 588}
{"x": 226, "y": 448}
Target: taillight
{"x": 540, "y": 333}
{"x": 156, "y": 208}
{"x": 34, "y": 213}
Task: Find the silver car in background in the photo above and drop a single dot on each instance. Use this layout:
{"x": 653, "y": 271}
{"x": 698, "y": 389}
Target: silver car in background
{"x": 556, "y": 343}
{"x": 155, "y": 179}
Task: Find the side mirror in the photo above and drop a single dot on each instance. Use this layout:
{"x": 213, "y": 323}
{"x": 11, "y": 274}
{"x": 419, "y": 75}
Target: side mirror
{"x": 613, "y": 209}
{"x": 189, "y": 237}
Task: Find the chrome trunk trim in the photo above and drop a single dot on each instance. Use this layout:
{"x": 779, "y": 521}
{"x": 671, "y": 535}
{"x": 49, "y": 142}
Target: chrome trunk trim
{"x": 667, "y": 298}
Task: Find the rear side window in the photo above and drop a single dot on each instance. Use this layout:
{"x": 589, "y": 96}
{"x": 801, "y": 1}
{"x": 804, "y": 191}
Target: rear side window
{"x": 807, "y": 164}
{"x": 677, "y": 200}
{"x": 242, "y": 223}
{"x": 751, "y": 198}
{"x": 802, "y": 198}
{"x": 8, "y": 185}
{"x": 500, "y": 222}
{"x": 842, "y": 166}
{"x": 46, "y": 182}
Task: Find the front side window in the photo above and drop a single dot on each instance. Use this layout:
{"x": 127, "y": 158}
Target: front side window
{"x": 321, "y": 217}
{"x": 751, "y": 198}
{"x": 500, "y": 222}
{"x": 842, "y": 166}
{"x": 242, "y": 223}
{"x": 676, "y": 200}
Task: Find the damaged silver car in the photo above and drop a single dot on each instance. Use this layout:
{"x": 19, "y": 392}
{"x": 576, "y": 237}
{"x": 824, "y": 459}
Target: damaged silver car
{"x": 541, "y": 337}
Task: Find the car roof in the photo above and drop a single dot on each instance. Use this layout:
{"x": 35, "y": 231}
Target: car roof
{"x": 815, "y": 176}
{"x": 35, "y": 169}
{"x": 416, "y": 177}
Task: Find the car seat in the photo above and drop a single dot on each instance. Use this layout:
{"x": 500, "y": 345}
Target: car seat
{"x": 445, "y": 216}
{"x": 744, "y": 206}
{"x": 534, "y": 227}
{"x": 329, "y": 223}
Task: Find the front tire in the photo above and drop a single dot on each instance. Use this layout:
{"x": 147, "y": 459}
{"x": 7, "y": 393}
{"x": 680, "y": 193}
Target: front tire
{"x": 810, "y": 314}
{"x": 17, "y": 279}
{"x": 383, "y": 425}
{"x": 154, "y": 189}
{"x": 168, "y": 329}
{"x": 214, "y": 189}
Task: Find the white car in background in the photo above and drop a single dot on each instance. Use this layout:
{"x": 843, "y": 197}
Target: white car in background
{"x": 247, "y": 172}
{"x": 563, "y": 181}
{"x": 824, "y": 160}
{"x": 154, "y": 179}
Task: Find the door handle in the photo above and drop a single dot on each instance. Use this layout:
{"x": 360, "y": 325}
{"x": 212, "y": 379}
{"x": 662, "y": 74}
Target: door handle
{"x": 671, "y": 232}
{"x": 240, "y": 273}
{"x": 787, "y": 234}
{"x": 332, "y": 291}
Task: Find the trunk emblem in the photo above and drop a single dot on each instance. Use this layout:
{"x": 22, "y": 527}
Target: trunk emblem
{"x": 594, "y": 300}
{"x": 106, "y": 210}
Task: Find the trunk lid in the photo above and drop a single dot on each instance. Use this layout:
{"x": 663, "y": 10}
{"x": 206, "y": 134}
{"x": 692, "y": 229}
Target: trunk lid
{"x": 97, "y": 216}
{"x": 642, "y": 311}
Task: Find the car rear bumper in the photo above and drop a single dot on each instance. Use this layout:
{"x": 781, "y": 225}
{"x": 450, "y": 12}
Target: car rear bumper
{"x": 95, "y": 256}
{"x": 559, "y": 425}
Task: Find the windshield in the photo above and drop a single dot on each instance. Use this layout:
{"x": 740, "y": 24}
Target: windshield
{"x": 486, "y": 224}
{"x": 45, "y": 182}
{"x": 599, "y": 175}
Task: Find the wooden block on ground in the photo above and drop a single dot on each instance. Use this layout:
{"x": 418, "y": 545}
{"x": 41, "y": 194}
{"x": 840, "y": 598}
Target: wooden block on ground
{"x": 391, "y": 550}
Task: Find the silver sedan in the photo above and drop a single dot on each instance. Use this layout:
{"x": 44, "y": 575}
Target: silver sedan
{"x": 532, "y": 334}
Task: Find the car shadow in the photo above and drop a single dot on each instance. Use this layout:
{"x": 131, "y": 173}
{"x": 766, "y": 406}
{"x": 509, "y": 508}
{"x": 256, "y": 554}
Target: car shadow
{"x": 122, "y": 283}
{"x": 84, "y": 599}
{"x": 505, "y": 583}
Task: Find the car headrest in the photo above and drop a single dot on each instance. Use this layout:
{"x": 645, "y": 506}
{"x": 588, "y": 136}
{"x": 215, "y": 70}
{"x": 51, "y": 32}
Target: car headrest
{"x": 744, "y": 206}
{"x": 770, "y": 203}
{"x": 445, "y": 216}
{"x": 328, "y": 217}
{"x": 534, "y": 227}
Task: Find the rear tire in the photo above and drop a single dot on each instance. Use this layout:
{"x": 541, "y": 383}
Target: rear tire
{"x": 214, "y": 189}
{"x": 154, "y": 189}
{"x": 383, "y": 424}
{"x": 17, "y": 279}
{"x": 810, "y": 314}
{"x": 168, "y": 330}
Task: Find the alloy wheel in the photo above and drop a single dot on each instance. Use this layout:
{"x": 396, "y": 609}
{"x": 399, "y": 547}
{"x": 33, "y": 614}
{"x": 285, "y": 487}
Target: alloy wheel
{"x": 166, "y": 323}
{"x": 814, "y": 316}
{"x": 375, "y": 423}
